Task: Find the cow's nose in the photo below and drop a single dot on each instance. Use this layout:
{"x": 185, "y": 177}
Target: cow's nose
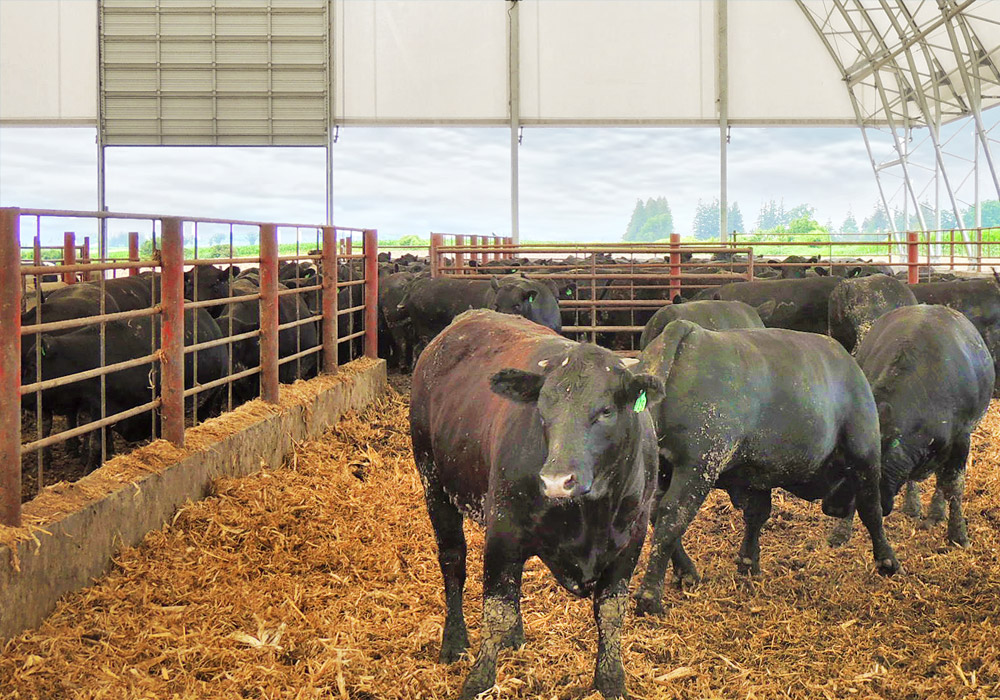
{"x": 559, "y": 486}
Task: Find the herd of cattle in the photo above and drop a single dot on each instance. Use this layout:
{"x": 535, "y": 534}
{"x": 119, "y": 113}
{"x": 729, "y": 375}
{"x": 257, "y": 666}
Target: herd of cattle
{"x": 59, "y": 353}
{"x": 836, "y": 389}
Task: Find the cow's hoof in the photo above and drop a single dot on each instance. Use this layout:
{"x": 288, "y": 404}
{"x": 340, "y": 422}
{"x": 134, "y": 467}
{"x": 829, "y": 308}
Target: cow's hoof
{"x": 930, "y": 522}
{"x": 687, "y": 580}
{"x": 648, "y": 603}
{"x": 477, "y": 683}
{"x": 839, "y": 536}
{"x": 453, "y": 648}
{"x": 887, "y": 567}
{"x": 609, "y": 679}
{"x": 747, "y": 566}
{"x": 958, "y": 536}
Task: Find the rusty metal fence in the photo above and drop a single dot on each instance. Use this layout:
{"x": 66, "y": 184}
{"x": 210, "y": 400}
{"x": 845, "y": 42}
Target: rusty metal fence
{"x": 176, "y": 334}
{"x": 606, "y": 292}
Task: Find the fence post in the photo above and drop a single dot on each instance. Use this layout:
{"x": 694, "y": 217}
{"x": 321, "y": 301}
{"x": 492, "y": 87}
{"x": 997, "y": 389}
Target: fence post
{"x": 675, "y": 265}
{"x": 38, "y": 251}
{"x": 85, "y": 258}
{"x": 330, "y": 325}
{"x": 133, "y": 251}
{"x": 435, "y": 254}
{"x": 460, "y": 257}
{"x": 269, "y": 313}
{"x": 69, "y": 256}
{"x": 172, "y": 329}
{"x": 979, "y": 250}
{"x": 912, "y": 258}
{"x": 371, "y": 292}
{"x": 10, "y": 367}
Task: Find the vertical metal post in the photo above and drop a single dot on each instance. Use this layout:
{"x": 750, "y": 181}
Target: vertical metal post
{"x": 722, "y": 40}
{"x": 133, "y": 251}
{"x": 85, "y": 258}
{"x": 371, "y": 293}
{"x": 912, "y": 258}
{"x": 514, "y": 101}
{"x": 269, "y": 313}
{"x": 460, "y": 257}
{"x": 38, "y": 251}
{"x": 436, "y": 242}
{"x": 69, "y": 255}
{"x": 675, "y": 265}
{"x": 330, "y": 350}
{"x": 172, "y": 329}
{"x": 10, "y": 367}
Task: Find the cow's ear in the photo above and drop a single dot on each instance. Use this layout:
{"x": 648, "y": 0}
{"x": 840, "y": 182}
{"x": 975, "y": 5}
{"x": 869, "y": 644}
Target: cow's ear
{"x": 495, "y": 283}
{"x": 644, "y": 390}
{"x": 821, "y": 271}
{"x": 678, "y": 299}
{"x": 517, "y": 385}
{"x": 813, "y": 259}
{"x": 766, "y": 309}
{"x": 48, "y": 347}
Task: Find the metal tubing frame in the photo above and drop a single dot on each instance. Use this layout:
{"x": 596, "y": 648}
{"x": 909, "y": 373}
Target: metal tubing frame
{"x": 10, "y": 367}
{"x": 330, "y": 359}
{"x": 172, "y": 329}
{"x": 269, "y": 313}
{"x": 133, "y": 251}
{"x": 69, "y": 256}
{"x": 371, "y": 293}
{"x": 912, "y": 258}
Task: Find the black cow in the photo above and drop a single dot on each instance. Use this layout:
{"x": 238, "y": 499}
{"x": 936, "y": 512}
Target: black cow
{"x": 752, "y": 410}
{"x": 709, "y": 314}
{"x": 932, "y": 378}
{"x": 431, "y": 303}
{"x": 79, "y": 350}
{"x": 977, "y": 299}
{"x": 794, "y": 304}
{"x": 856, "y": 303}
{"x": 395, "y": 328}
{"x": 562, "y": 468}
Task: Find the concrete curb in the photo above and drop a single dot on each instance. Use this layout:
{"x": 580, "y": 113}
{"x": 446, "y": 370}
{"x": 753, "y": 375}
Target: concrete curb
{"x": 77, "y": 547}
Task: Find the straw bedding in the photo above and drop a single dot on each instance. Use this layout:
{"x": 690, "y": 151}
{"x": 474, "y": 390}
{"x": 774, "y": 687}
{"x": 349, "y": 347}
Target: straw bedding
{"x": 320, "y": 580}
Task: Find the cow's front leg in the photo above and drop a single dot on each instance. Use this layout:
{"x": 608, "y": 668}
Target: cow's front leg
{"x": 679, "y": 505}
{"x": 610, "y": 605}
{"x": 503, "y": 565}
{"x": 911, "y": 500}
{"x": 756, "y": 513}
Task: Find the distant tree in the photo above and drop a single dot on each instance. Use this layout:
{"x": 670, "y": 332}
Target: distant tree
{"x": 990, "y": 214}
{"x": 850, "y": 224}
{"x": 772, "y": 215}
{"x": 650, "y": 221}
{"x": 706, "y": 220}
{"x": 734, "y": 219}
{"x": 876, "y": 222}
{"x": 805, "y": 224}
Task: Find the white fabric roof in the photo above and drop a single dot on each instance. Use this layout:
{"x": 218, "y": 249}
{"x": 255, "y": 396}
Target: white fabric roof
{"x": 581, "y": 62}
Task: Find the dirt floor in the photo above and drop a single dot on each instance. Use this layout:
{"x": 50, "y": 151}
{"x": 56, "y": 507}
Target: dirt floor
{"x": 320, "y": 580}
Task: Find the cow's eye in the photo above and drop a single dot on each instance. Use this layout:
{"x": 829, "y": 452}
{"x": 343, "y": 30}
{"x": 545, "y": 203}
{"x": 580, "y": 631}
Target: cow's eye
{"x": 517, "y": 307}
{"x": 606, "y": 412}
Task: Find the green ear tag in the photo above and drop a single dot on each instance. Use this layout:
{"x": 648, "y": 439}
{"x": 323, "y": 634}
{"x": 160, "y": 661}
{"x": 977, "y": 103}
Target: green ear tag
{"x": 569, "y": 292}
{"x": 894, "y": 444}
{"x": 43, "y": 351}
{"x": 640, "y": 403}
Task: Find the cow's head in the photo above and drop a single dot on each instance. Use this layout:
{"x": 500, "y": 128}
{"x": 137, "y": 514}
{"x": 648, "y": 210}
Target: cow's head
{"x": 208, "y": 282}
{"x": 531, "y": 299}
{"x": 589, "y": 405}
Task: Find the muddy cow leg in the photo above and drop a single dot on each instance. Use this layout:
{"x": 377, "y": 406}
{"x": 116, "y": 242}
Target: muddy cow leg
{"x": 756, "y": 513}
{"x": 687, "y": 491}
{"x": 610, "y": 605}
{"x": 936, "y": 512}
{"x": 503, "y": 565}
{"x": 951, "y": 483}
{"x": 868, "y": 503}
{"x": 911, "y": 501}
{"x": 842, "y": 530}
{"x": 685, "y": 572}
{"x": 447, "y": 523}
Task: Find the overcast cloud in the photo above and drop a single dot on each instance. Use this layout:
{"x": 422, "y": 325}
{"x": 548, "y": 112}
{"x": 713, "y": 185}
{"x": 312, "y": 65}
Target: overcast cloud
{"x": 576, "y": 184}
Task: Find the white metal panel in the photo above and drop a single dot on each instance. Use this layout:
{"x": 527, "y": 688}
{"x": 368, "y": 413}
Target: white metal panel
{"x": 234, "y": 72}
{"x": 429, "y": 61}
{"x": 776, "y": 72}
{"x": 48, "y": 61}
{"x": 595, "y": 61}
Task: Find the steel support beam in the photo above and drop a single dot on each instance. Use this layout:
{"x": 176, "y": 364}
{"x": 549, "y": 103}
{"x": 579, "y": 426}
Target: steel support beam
{"x": 722, "y": 43}
{"x": 514, "y": 96}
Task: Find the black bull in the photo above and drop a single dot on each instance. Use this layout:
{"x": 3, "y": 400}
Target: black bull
{"x": 559, "y": 463}
{"x": 752, "y": 410}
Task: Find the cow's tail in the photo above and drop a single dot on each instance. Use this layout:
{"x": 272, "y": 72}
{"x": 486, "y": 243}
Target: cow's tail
{"x": 659, "y": 355}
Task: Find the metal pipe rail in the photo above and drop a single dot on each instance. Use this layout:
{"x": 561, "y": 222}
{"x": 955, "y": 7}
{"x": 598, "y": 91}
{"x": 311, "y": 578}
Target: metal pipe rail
{"x": 167, "y": 344}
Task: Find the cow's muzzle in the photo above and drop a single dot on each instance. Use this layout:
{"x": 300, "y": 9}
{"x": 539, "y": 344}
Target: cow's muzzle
{"x": 565, "y": 485}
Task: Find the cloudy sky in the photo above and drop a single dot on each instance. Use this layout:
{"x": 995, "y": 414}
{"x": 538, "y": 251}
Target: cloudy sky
{"x": 576, "y": 184}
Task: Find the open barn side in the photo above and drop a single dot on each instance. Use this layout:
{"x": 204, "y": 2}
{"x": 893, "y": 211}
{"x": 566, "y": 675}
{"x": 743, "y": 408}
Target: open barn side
{"x": 320, "y": 579}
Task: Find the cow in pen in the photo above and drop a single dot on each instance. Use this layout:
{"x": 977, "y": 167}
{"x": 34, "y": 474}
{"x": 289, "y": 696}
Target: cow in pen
{"x": 548, "y": 443}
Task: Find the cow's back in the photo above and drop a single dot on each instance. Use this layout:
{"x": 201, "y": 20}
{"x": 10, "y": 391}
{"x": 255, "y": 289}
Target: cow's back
{"x": 457, "y": 423}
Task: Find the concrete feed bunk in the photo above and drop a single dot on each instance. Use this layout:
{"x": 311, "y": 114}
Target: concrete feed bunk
{"x": 320, "y": 579}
